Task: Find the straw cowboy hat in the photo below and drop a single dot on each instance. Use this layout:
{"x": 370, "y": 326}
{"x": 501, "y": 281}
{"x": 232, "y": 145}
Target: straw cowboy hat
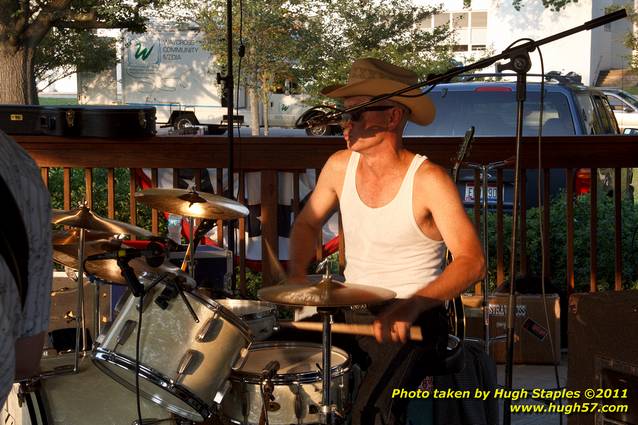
{"x": 373, "y": 77}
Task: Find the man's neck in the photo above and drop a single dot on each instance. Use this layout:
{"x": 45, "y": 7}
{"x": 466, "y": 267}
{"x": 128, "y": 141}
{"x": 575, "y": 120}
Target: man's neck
{"x": 384, "y": 157}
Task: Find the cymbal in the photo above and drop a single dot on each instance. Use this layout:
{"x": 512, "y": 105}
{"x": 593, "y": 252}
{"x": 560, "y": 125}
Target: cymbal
{"x": 108, "y": 270}
{"x": 326, "y": 293}
{"x": 86, "y": 219}
{"x": 67, "y": 255}
{"x": 191, "y": 203}
{"x": 72, "y": 237}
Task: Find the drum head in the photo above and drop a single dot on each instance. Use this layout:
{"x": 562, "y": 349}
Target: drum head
{"x": 298, "y": 361}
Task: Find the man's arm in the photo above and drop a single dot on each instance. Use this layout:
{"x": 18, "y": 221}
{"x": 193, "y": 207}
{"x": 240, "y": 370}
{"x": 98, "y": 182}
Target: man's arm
{"x": 459, "y": 235}
{"x": 323, "y": 201}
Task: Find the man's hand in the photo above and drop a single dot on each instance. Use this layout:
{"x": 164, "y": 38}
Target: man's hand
{"x": 393, "y": 324}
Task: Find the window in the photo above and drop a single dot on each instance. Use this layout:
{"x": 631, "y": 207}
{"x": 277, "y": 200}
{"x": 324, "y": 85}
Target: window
{"x": 479, "y": 19}
{"x": 441, "y": 19}
{"x": 460, "y": 20}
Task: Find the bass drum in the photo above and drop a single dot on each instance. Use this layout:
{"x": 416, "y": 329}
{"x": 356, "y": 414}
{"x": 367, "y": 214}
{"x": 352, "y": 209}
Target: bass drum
{"x": 87, "y": 397}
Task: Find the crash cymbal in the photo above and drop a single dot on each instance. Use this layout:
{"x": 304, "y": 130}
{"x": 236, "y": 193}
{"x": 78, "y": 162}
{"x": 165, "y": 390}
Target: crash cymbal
{"x": 72, "y": 237}
{"x": 326, "y": 293}
{"x": 191, "y": 203}
{"x": 86, "y": 219}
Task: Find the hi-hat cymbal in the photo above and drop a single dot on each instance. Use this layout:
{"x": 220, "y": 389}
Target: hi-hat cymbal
{"x": 191, "y": 203}
{"x": 326, "y": 293}
{"x": 86, "y": 219}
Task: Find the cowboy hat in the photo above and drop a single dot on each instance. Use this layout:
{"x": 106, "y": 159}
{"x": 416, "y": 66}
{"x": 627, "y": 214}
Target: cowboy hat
{"x": 373, "y": 77}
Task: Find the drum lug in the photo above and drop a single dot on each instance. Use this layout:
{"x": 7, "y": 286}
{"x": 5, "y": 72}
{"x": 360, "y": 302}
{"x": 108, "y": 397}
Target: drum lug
{"x": 209, "y": 330}
{"x": 219, "y": 396}
{"x": 187, "y": 363}
{"x": 125, "y": 332}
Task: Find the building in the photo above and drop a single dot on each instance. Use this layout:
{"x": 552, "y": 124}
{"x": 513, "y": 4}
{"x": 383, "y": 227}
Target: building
{"x": 488, "y": 27}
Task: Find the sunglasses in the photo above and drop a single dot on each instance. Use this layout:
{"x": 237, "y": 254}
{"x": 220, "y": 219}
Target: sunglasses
{"x": 355, "y": 116}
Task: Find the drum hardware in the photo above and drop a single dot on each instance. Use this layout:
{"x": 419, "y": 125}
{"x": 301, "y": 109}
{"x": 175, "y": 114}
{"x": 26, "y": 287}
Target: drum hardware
{"x": 267, "y": 388}
{"x": 184, "y": 375}
{"x": 210, "y": 330}
{"x": 485, "y": 170}
{"x": 328, "y": 296}
{"x": 296, "y": 385}
{"x": 85, "y": 220}
{"x": 193, "y": 204}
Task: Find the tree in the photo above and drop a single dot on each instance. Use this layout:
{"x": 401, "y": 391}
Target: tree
{"x": 66, "y": 51}
{"x": 391, "y": 30}
{"x": 24, "y": 24}
{"x": 313, "y": 42}
{"x": 275, "y": 34}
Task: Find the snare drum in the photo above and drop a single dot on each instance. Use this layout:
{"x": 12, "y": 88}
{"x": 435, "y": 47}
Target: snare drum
{"x": 88, "y": 397}
{"x": 260, "y": 316}
{"x": 183, "y": 364}
{"x": 297, "y": 385}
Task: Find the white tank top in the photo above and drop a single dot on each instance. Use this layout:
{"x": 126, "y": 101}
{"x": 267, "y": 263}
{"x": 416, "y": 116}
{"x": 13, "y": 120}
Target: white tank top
{"x": 384, "y": 246}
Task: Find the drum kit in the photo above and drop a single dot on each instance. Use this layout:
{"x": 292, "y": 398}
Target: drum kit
{"x": 190, "y": 358}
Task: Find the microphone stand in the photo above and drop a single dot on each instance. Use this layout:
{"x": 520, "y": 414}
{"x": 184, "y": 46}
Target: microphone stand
{"x": 520, "y": 63}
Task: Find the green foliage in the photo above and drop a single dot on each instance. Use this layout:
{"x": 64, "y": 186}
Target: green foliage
{"x": 65, "y": 51}
{"x": 314, "y": 42}
{"x": 558, "y": 243}
{"x": 275, "y": 34}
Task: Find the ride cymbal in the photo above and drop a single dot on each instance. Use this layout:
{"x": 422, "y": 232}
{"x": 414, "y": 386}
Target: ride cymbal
{"x": 191, "y": 203}
{"x": 326, "y": 293}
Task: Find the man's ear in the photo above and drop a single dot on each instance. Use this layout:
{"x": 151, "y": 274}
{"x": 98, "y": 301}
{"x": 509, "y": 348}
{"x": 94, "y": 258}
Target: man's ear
{"x": 395, "y": 119}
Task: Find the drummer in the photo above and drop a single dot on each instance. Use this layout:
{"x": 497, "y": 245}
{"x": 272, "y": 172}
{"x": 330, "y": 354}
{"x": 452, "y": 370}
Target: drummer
{"x": 399, "y": 212}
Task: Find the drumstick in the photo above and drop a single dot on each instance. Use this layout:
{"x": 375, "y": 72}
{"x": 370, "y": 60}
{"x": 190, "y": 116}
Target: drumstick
{"x": 344, "y": 328}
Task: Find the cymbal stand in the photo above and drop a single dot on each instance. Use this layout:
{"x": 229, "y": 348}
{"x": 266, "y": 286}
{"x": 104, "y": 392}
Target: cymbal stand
{"x": 81, "y": 318}
{"x": 485, "y": 169}
{"x": 328, "y": 410}
{"x": 192, "y": 246}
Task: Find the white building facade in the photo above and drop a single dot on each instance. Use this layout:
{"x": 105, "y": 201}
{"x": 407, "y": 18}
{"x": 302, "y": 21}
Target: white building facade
{"x": 488, "y": 27}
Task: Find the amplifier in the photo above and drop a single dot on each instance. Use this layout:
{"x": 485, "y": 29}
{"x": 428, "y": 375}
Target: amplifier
{"x": 603, "y": 352}
{"x": 213, "y": 267}
{"x": 531, "y": 333}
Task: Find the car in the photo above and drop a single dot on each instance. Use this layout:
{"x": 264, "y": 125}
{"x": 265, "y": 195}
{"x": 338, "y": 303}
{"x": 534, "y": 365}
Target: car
{"x": 490, "y": 106}
{"x": 624, "y": 105}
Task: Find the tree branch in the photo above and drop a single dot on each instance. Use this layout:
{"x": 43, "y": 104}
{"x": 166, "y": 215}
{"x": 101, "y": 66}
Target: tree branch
{"x": 50, "y": 12}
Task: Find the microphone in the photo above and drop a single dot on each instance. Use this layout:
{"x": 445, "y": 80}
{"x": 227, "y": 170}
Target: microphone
{"x": 154, "y": 254}
{"x": 270, "y": 370}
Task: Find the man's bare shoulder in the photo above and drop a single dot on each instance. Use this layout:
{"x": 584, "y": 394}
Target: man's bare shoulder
{"x": 430, "y": 173}
{"x": 338, "y": 162}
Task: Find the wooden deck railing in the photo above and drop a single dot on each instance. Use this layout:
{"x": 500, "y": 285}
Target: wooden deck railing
{"x": 271, "y": 154}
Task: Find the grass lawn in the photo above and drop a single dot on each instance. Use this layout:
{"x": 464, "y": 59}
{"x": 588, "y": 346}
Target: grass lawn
{"x": 58, "y": 100}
